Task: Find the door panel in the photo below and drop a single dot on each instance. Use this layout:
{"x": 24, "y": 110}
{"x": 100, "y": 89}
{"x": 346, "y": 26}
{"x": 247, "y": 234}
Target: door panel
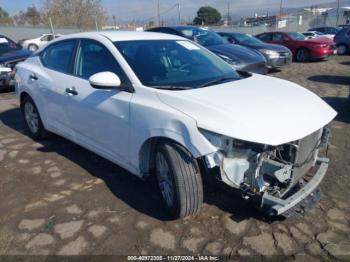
{"x": 52, "y": 81}
{"x": 99, "y": 118}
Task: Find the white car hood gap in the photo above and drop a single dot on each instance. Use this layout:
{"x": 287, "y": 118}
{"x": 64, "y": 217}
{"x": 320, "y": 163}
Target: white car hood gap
{"x": 258, "y": 109}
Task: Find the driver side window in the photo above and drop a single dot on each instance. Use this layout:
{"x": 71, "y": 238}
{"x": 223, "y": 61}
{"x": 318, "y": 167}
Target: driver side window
{"x": 92, "y": 57}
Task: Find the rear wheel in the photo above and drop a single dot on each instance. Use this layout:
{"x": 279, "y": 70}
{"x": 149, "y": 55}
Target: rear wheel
{"x": 342, "y": 49}
{"x": 179, "y": 180}
{"x": 303, "y": 55}
{"x": 32, "y": 119}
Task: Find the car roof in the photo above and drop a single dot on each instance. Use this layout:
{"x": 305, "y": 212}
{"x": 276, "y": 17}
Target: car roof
{"x": 115, "y": 36}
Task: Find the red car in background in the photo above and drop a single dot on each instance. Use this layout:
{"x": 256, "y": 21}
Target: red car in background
{"x": 303, "y": 49}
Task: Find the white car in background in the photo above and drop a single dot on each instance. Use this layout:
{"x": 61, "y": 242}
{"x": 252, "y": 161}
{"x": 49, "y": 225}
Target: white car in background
{"x": 159, "y": 104}
{"x": 35, "y": 43}
{"x": 315, "y": 34}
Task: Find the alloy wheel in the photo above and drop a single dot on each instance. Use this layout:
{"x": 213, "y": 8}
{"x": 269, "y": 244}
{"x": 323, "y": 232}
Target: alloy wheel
{"x": 32, "y": 117}
{"x": 165, "y": 180}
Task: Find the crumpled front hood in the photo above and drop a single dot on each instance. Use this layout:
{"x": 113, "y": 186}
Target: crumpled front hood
{"x": 258, "y": 109}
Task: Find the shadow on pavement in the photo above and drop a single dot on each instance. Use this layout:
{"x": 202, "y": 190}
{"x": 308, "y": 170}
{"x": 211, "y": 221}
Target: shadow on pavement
{"x": 141, "y": 195}
{"x": 331, "y": 79}
{"x": 345, "y": 63}
{"x": 342, "y": 106}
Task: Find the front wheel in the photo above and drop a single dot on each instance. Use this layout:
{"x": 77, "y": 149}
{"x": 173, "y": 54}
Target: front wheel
{"x": 179, "y": 180}
{"x": 342, "y": 49}
{"x": 303, "y": 55}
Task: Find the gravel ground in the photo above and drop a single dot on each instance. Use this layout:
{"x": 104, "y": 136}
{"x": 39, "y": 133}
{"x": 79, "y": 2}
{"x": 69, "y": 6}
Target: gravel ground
{"x": 58, "y": 198}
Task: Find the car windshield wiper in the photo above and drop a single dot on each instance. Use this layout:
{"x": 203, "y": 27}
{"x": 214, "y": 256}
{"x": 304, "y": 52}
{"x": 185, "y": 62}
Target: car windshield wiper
{"x": 218, "y": 81}
{"x": 171, "y": 87}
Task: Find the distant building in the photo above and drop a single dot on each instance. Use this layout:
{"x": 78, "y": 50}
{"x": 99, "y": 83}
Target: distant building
{"x": 343, "y": 14}
{"x": 316, "y": 10}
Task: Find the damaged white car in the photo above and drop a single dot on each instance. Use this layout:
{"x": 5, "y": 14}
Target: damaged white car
{"x": 161, "y": 104}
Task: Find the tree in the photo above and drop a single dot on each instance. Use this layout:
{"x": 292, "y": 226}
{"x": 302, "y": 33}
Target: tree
{"x": 31, "y": 16}
{"x": 4, "y": 17}
{"x": 207, "y": 15}
{"x": 75, "y": 13}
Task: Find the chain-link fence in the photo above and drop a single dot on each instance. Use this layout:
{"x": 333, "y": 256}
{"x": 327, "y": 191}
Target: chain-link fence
{"x": 300, "y": 22}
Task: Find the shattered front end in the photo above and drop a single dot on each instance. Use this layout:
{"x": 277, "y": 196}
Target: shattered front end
{"x": 282, "y": 180}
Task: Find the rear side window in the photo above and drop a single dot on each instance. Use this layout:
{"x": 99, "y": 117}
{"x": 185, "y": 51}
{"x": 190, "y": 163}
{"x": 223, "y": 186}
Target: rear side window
{"x": 58, "y": 57}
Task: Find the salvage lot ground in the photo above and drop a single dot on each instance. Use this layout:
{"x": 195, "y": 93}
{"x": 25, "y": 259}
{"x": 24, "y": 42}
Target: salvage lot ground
{"x": 58, "y": 198}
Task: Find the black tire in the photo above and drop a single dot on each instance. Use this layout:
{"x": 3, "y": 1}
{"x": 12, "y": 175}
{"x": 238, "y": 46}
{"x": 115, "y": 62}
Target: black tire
{"x": 303, "y": 55}
{"x": 186, "y": 179}
{"x": 41, "y": 132}
{"x": 342, "y": 49}
{"x": 33, "y": 47}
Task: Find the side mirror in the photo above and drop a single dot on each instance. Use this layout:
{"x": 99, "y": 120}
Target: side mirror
{"x": 105, "y": 80}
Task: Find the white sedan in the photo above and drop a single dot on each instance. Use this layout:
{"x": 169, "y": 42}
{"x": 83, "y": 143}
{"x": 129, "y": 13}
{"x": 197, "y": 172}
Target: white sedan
{"x": 162, "y": 105}
{"x": 316, "y": 34}
{"x": 35, "y": 43}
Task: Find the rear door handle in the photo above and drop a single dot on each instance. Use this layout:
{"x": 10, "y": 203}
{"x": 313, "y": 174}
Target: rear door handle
{"x": 71, "y": 91}
{"x": 33, "y": 76}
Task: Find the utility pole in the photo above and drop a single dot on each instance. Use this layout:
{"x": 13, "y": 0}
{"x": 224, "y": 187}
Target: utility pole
{"x": 158, "y": 13}
{"x": 281, "y": 8}
{"x": 338, "y": 6}
{"x": 228, "y": 13}
{"x": 179, "y": 13}
{"x": 115, "y": 22}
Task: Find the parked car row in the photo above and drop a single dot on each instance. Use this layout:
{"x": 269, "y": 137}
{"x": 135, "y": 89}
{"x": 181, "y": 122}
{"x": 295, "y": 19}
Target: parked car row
{"x": 244, "y": 52}
{"x": 277, "y": 48}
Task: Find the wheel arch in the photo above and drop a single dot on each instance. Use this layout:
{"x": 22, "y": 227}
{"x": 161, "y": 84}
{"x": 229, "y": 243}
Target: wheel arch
{"x": 147, "y": 150}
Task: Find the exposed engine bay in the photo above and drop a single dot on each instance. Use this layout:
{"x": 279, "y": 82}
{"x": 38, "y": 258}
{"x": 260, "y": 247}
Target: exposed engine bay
{"x": 264, "y": 171}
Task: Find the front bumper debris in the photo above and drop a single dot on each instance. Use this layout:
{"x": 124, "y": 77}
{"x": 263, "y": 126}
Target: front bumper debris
{"x": 277, "y": 206}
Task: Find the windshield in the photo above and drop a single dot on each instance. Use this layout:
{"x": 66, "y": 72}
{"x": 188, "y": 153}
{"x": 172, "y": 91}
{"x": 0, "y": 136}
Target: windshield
{"x": 318, "y": 33}
{"x": 201, "y": 36}
{"x": 7, "y": 45}
{"x": 296, "y": 36}
{"x": 247, "y": 39}
{"x": 173, "y": 63}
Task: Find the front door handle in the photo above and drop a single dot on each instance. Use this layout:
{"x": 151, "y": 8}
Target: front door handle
{"x": 71, "y": 91}
{"x": 33, "y": 76}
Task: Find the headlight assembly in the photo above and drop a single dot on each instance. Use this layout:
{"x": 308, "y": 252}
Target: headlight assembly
{"x": 230, "y": 145}
{"x": 229, "y": 60}
{"x": 270, "y": 53}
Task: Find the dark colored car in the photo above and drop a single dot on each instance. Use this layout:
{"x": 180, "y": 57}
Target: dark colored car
{"x": 241, "y": 58}
{"x": 327, "y": 30}
{"x": 10, "y": 54}
{"x": 303, "y": 49}
{"x": 342, "y": 40}
{"x": 276, "y": 55}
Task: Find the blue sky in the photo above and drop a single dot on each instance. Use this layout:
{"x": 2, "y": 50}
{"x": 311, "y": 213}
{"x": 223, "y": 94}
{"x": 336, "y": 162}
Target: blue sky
{"x": 126, "y": 10}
